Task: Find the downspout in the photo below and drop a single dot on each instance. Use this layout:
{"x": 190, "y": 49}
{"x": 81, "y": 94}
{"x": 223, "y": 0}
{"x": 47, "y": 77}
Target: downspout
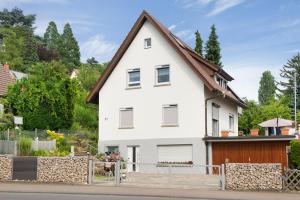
{"x": 206, "y": 134}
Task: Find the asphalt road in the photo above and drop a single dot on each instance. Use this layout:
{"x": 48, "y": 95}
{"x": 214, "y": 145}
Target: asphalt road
{"x": 45, "y": 196}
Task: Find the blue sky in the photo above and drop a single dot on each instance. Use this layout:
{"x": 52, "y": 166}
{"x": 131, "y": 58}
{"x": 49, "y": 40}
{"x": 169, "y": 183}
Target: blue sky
{"x": 255, "y": 35}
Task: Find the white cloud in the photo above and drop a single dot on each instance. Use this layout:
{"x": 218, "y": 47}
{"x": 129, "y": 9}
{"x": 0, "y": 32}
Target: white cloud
{"x": 193, "y": 3}
{"x": 218, "y": 6}
{"x": 172, "y": 27}
{"x": 185, "y": 35}
{"x": 98, "y": 47}
{"x": 222, "y": 5}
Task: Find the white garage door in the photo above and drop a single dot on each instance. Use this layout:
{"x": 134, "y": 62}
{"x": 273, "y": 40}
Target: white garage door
{"x": 175, "y": 153}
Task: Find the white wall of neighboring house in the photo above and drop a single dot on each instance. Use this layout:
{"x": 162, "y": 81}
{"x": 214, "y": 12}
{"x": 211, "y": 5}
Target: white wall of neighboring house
{"x": 227, "y": 107}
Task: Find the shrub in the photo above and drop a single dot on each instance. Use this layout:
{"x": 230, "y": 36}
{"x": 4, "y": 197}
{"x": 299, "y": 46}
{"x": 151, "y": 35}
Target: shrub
{"x": 39, "y": 153}
{"x": 61, "y": 141}
{"x": 295, "y": 153}
{"x": 24, "y": 146}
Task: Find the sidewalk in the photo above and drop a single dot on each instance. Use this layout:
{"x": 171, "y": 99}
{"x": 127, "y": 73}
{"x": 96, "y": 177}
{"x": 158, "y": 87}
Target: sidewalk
{"x": 134, "y": 191}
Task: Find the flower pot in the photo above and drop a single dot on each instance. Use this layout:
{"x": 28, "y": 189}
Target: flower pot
{"x": 254, "y": 132}
{"x": 224, "y": 133}
{"x": 285, "y": 131}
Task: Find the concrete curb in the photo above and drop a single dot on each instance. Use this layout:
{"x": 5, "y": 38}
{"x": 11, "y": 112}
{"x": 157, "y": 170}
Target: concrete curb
{"x": 146, "y": 192}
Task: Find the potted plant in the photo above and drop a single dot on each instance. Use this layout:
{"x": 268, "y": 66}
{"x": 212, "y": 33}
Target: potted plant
{"x": 285, "y": 131}
{"x": 224, "y": 133}
{"x": 254, "y": 131}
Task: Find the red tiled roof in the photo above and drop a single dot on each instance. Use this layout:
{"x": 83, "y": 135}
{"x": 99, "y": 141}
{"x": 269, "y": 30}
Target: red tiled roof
{"x": 203, "y": 68}
{"x": 6, "y": 79}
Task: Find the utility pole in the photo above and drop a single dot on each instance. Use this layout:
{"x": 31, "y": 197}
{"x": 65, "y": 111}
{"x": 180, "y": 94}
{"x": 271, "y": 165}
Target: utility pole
{"x": 295, "y": 99}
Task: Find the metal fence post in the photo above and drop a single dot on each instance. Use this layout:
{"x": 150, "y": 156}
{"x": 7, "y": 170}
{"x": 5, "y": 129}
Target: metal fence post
{"x": 90, "y": 177}
{"x": 223, "y": 177}
{"x": 117, "y": 172}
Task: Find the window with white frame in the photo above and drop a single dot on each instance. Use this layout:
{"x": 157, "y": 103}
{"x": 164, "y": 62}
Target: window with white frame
{"x": 133, "y": 77}
{"x": 162, "y": 74}
{"x": 231, "y": 122}
{"x": 215, "y": 120}
{"x": 170, "y": 115}
{"x": 147, "y": 43}
{"x": 221, "y": 81}
{"x": 126, "y": 118}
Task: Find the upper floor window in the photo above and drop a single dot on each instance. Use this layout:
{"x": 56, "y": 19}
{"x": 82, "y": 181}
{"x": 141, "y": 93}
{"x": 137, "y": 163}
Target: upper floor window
{"x": 147, "y": 43}
{"x": 231, "y": 122}
{"x": 162, "y": 75}
{"x": 170, "y": 115}
{"x": 221, "y": 81}
{"x": 126, "y": 118}
{"x": 134, "y": 79}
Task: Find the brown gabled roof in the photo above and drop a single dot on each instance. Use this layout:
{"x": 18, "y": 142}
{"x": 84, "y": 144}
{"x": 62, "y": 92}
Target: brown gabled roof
{"x": 203, "y": 69}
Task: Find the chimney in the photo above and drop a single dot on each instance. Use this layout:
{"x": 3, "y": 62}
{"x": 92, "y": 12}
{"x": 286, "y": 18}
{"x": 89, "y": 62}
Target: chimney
{"x": 6, "y": 67}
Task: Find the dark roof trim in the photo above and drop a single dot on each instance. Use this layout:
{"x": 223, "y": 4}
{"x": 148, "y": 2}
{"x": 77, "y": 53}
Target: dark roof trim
{"x": 250, "y": 138}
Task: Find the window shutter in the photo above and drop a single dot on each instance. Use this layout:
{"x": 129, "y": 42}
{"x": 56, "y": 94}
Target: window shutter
{"x": 126, "y": 118}
{"x": 215, "y": 112}
{"x": 170, "y": 115}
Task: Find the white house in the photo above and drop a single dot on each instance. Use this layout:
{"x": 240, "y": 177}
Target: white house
{"x": 153, "y": 98}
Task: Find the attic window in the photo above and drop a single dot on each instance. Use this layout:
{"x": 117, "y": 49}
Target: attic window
{"x": 221, "y": 81}
{"x": 147, "y": 43}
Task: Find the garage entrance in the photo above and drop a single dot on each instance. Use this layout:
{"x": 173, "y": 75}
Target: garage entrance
{"x": 250, "y": 150}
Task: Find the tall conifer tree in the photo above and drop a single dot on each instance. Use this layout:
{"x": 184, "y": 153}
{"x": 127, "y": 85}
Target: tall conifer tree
{"x": 267, "y": 88}
{"x": 199, "y": 43}
{"x": 52, "y": 38}
{"x": 70, "y": 49}
{"x": 212, "y": 48}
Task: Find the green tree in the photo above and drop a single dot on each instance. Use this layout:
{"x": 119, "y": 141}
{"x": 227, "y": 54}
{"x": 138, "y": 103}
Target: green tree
{"x": 212, "y": 48}
{"x": 254, "y": 113}
{"x": 46, "y": 99}
{"x": 70, "y": 52}
{"x": 15, "y": 17}
{"x": 52, "y": 38}
{"x": 92, "y": 61}
{"x": 199, "y": 43}
{"x": 267, "y": 88}
{"x": 21, "y": 25}
{"x": 248, "y": 119}
{"x": 11, "y": 49}
{"x": 88, "y": 76}
{"x": 287, "y": 84}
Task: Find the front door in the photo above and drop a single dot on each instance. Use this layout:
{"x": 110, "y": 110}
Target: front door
{"x": 133, "y": 158}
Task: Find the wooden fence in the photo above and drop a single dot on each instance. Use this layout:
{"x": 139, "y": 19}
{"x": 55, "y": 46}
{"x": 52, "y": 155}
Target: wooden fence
{"x": 291, "y": 180}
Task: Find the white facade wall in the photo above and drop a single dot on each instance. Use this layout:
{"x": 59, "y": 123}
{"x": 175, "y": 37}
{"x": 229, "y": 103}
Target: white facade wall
{"x": 186, "y": 90}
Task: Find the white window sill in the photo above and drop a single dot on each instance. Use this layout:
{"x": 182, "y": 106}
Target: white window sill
{"x": 129, "y": 127}
{"x": 162, "y": 84}
{"x": 169, "y": 125}
{"x": 133, "y": 87}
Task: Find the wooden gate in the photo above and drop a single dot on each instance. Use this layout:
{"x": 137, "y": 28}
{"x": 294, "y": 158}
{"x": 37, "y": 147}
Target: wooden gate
{"x": 24, "y": 168}
{"x": 250, "y": 152}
